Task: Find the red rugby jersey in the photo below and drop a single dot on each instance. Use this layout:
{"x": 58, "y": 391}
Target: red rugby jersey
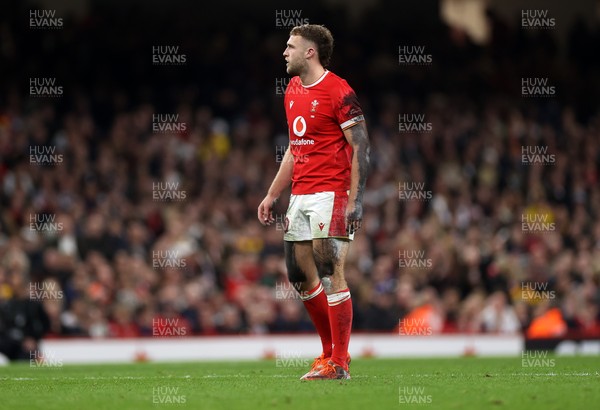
{"x": 316, "y": 115}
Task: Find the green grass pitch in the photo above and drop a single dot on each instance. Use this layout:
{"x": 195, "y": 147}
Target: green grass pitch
{"x": 458, "y": 383}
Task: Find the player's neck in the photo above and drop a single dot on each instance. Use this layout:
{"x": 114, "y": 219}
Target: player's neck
{"x": 312, "y": 75}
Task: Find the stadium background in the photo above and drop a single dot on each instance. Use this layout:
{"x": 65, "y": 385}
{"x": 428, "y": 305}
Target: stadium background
{"x": 104, "y": 269}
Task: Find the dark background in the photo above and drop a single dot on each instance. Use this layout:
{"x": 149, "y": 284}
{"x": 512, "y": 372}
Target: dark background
{"x": 226, "y": 95}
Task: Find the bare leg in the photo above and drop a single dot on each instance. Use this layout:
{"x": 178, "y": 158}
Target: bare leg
{"x": 302, "y": 271}
{"x": 330, "y": 257}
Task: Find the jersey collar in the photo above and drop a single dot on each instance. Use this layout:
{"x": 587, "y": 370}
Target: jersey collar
{"x": 316, "y": 82}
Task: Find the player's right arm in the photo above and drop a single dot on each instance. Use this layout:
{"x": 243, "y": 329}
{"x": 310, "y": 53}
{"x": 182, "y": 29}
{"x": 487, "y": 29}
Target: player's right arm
{"x": 282, "y": 180}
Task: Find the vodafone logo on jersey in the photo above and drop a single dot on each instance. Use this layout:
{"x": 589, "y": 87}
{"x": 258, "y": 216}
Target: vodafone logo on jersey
{"x": 299, "y": 129}
{"x": 299, "y": 126}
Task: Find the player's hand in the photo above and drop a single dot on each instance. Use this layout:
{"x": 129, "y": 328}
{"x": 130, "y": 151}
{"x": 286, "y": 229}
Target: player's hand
{"x": 354, "y": 214}
{"x": 265, "y": 214}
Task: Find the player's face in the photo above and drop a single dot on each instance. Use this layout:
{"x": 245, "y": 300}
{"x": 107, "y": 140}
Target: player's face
{"x": 295, "y": 55}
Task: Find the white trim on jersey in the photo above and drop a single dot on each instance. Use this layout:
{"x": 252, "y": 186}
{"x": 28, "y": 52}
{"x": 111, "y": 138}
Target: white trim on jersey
{"x": 352, "y": 121}
{"x": 316, "y": 82}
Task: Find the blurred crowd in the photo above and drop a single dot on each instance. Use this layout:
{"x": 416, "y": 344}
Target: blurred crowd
{"x": 125, "y": 231}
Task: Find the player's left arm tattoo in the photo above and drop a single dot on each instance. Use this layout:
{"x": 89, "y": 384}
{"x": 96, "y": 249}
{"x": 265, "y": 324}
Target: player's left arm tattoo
{"x": 358, "y": 137}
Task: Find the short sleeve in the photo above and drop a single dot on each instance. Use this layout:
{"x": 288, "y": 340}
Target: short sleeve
{"x": 346, "y": 106}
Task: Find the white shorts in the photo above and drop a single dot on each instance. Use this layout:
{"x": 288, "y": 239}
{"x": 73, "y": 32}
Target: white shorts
{"x": 317, "y": 216}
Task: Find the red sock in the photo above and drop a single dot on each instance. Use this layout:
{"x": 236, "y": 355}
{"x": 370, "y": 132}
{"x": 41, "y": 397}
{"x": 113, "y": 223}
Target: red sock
{"x": 340, "y": 314}
{"x": 315, "y": 301}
